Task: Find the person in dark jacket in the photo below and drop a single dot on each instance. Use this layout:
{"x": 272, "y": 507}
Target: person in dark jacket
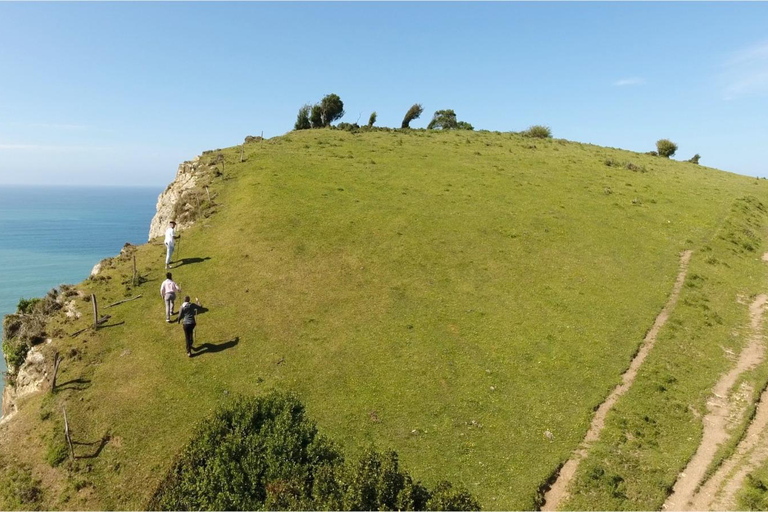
{"x": 187, "y": 314}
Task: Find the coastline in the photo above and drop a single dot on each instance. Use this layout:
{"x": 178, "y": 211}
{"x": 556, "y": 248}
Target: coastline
{"x": 56, "y": 235}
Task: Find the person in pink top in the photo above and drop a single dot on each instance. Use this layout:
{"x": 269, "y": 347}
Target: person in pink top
{"x": 168, "y": 291}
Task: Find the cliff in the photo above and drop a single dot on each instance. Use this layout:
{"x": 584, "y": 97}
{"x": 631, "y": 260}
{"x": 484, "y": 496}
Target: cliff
{"x": 187, "y": 178}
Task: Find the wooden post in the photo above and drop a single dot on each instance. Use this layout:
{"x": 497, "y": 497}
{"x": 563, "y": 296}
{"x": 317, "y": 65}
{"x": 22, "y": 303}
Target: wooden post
{"x": 242, "y": 150}
{"x": 66, "y": 434}
{"x": 95, "y": 311}
{"x": 56, "y": 363}
{"x": 135, "y": 273}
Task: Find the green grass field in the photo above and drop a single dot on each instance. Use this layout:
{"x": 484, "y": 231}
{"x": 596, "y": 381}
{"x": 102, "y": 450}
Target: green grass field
{"x": 452, "y": 296}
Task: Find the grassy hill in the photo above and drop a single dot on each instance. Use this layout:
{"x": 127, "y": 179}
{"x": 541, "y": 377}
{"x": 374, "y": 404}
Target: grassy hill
{"x": 453, "y": 296}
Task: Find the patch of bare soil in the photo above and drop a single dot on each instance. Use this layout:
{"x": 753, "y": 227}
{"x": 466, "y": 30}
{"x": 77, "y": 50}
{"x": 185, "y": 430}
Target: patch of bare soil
{"x": 724, "y": 408}
{"x": 558, "y": 492}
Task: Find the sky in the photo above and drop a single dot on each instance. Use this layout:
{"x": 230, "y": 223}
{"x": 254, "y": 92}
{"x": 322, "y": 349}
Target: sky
{"x": 121, "y": 93}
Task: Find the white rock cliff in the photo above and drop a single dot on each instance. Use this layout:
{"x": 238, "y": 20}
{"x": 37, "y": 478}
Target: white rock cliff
{"x": 186, "y": 179}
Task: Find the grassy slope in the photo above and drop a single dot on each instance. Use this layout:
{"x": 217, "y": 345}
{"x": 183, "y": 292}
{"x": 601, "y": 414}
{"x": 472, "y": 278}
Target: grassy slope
{"x": 449, "y": 295}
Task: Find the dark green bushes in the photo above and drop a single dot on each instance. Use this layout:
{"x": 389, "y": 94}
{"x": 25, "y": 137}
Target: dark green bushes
{"x": 302, "y": 119}
{"x": 320, "y": 115}
{"x": 264, "y": 453}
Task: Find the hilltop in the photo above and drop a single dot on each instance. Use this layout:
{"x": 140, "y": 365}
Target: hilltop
{"x": 466, "y": 298}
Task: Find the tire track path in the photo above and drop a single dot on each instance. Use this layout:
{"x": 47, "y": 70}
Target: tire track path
{"x": 716, "y": 422}
{"x": 558, "y": 492}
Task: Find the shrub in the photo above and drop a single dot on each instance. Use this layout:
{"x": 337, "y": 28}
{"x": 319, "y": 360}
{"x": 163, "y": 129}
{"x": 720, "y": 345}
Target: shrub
{"x": 463, "y": 125}
{"x": 666, "y": 147}
{"x": 413, "y": 113}
{"x": 332, "y": 108}
{"x": 695, "y": 159}
{"x": 372, "y": 120}
{"x": 15, "y": 351}
{"x": 538, "y": 132}
{"x": 264, "y": 453}
{"x": 26, "y": 305}
{"x": 302, "y": 119}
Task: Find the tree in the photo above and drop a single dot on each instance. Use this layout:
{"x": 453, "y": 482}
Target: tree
{"x": 666, "y": 147}
{"x": 316, "y": 116}
{"x": 332, "y": 108}
{"x": 443, "y": 119}
{"x": 372, "y": 120}
{"x": 463, "y": 125}
{"x": 413, "y": 113}
{"x": 302, "y": 119}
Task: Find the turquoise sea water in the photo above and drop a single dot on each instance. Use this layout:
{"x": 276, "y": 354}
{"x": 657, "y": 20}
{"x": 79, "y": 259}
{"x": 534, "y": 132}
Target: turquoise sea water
{"x": 55, "y": 235}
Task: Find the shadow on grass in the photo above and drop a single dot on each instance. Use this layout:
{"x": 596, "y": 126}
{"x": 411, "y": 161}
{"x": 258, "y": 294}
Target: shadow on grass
{"x": 212, "y": 348}
{"x": 74, "y": 384}
{"x": 111, "y": 325}
{"x": 190, "y": 261}
{"x": 100, "y": 444}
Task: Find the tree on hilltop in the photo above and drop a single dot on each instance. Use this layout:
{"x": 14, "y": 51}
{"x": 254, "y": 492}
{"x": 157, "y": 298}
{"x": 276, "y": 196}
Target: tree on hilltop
{"x": 443, "y": 119}
{"x": 332, "y": 108}
{"x": 316, "y": 116}
{"x": 372, "y": 120}
{"x": 413, "y": 113}
{"x": 666, "y": 147}
{"x": 302, "y": 119}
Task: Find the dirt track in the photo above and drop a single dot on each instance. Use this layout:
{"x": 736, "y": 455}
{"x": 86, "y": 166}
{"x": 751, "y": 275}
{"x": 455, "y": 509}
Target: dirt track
{"x": 559, "y": 490}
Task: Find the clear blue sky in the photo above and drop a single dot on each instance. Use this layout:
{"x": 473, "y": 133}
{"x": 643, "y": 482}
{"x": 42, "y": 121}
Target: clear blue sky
{"x": 120, "y": 93}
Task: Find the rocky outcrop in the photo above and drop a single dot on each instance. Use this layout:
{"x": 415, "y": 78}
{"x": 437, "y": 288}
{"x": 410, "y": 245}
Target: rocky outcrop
{"x": 186, "y": 180}
{"x": 29, "y": 379}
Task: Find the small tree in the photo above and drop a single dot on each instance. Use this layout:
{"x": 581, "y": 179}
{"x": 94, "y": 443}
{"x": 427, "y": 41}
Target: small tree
{"x": 372, "y": 120}
{"x": 413, "y": 113}
{"x": 316, "y": 116}
{"x": 695, "y": 159}
{"x": 332, "y": 108}
{"x": 443, "y": 119}
{"x": 666, "y": 147}
{"x": 302, "y": 119}
{"x": 463, "y": 125}
{"x": 538, "y": 132}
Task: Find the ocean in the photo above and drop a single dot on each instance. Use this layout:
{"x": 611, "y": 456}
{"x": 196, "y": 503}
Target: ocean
{"x": 55, "y": 235}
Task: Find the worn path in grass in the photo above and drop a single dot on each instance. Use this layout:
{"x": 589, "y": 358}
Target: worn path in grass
{"x": 719, "y": 492}
{"x": 559, "y": 489}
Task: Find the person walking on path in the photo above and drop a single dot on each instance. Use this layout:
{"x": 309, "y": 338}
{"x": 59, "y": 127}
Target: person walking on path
{"x": 187, "y": 314}
{"x": 170, "y": 241}
{"x": 168, "y": 291}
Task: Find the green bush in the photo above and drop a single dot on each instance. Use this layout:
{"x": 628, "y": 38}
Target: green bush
{"x": 26, "y": 305}
{"x": 413, "y": 113}
{"x": 695, "y": 159}
{"x": 15, "y": 351}
{"x": 372, "y": 120}
{"x": 443, "y": 119}
{"x": 538, "y": 132}
{"x": 302, "y": 119}
{"x": 264, "y": 453}
{"x": 666, "y": 148}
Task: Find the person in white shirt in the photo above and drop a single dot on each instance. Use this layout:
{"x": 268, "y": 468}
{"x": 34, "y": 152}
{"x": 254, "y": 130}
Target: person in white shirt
{"x": 170, "y": 240}
{"x": 168, "y": 291}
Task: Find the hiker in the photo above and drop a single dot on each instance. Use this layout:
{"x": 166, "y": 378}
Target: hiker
{"x": 186, "y": 318}
{"x": 168, "y": 291}
{"x": 170, "y": 240}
